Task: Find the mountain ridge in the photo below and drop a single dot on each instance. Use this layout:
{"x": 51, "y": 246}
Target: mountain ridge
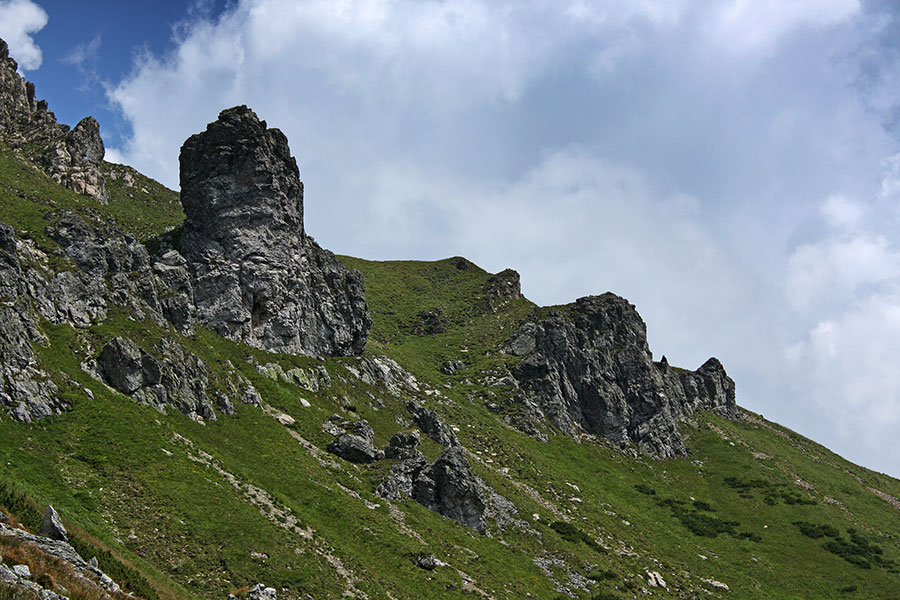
{"x": 437, "y": 435}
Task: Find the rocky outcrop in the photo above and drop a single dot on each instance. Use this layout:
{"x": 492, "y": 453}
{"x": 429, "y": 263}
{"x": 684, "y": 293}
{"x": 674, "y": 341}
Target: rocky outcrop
{"x": 432, "y": 425}
{"x": 71, "y": 157}
{"x": 448, "y": 487}
{"x": 60, "y": 550}
{"x": 356, "y": 445}
{"x": 502, "y": 287}
{"x": 257, "y": 277}
{"x": 26, "y": 390}
{"x": 52, "y": 526}
{"x": 587, "y": 368}
{"x": 171, "y": 377}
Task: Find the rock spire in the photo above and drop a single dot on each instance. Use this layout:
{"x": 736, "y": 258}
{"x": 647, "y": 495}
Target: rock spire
{"x": 257, "y": 277}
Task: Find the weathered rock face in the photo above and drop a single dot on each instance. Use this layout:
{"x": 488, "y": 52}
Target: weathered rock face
{"x": 357, "y": 445}
{"x": 71, "y": 158}
{"x": 173, "y": 378}
{"x": 589, "y": 368}
{"x": 502, "y": 287}
{"x": 257, "y": 277}
{"x": 447, "y": 486}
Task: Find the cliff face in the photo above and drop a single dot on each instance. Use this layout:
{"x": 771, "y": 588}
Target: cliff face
{"x": 71, "y": 157}
{"x": 257, "y": 277}
{"x": 588, "y": 368}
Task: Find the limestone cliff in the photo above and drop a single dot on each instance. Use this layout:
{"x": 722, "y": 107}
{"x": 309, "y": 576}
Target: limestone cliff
{"x": 257, "y": 277}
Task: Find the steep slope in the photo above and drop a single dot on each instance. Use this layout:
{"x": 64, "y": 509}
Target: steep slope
{"x": 479, "y": 446}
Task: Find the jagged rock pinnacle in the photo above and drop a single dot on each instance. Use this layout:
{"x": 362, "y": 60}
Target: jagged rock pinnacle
{"x": 257, "y": 277}
{"x": 238, "y": 177}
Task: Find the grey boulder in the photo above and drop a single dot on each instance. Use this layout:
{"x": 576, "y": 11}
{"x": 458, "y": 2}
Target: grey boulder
{"x": 52, "y": 526}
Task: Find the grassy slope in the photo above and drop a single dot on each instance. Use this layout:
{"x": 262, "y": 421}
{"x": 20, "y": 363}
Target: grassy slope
{"x": 123, "y": 476}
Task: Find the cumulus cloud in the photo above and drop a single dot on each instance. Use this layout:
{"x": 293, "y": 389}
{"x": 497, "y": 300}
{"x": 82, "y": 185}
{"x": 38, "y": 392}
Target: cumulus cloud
{"x": 847, "y": 366}
{"x": 19, "y": 20}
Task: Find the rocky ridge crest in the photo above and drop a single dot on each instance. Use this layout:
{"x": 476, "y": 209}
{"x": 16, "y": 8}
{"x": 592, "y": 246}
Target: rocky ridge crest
{"x": 587, "y": 368}
{"x": 71, "y": 157}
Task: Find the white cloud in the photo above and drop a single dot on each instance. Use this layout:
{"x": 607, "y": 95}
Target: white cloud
{"x": 841, "y": 212}
{"x": 834, "y": 269}
{"x": 755, "y": 26}
{"x": 19, "y": 19}
{"x": 847, "y": 367}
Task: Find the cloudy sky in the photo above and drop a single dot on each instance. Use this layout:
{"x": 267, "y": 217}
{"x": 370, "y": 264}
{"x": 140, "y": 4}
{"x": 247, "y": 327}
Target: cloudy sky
{"x": 730, "y": 167}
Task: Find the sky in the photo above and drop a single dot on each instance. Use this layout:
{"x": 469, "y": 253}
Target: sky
{"x": 731, "y": 167}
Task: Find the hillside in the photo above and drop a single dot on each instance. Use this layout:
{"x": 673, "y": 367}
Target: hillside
{"x": 412, "y": 430}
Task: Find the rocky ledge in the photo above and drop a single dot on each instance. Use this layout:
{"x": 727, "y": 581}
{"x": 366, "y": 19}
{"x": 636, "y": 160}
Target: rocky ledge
{"x": 587, "y": 368}
{"x": 257, "y": 277}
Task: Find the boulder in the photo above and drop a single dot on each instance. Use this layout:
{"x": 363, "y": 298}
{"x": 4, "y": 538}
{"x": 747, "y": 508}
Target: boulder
{"x": 357, "y": 445}
{"x": 121, "y": 365}
{"x": 52, "y": 526}
{"x": 448, "y": 487}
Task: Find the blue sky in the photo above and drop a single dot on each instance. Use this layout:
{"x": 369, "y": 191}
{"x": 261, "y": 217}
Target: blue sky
{"x": 730, "y": 167}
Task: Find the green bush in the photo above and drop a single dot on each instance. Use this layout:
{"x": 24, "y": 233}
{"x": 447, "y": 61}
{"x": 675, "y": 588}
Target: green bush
{"x": 814, "y": 531}
{"x": 570, "y": 533}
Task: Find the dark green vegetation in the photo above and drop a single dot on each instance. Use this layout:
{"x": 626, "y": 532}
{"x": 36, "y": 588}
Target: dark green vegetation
{"x": 165, "y": 502}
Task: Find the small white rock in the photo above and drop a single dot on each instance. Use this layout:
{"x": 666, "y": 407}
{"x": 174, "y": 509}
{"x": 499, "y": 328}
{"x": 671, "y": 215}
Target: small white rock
{"x": 304, "y": 403}
{"x": 22, "y": 571}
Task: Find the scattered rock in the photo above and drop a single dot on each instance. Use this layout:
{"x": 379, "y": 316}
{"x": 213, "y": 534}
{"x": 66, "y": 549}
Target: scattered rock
{"x": 430, "y": 321}
{"x": 261, "y": 592}
{"x": 654, "y": 579}
{"x": 451, "y": 367}
{"x": 22, "y": 571}
{"x": 426, "y": 561}
{"x": 52, "y": 526}
{"x": 716, "y": 584}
